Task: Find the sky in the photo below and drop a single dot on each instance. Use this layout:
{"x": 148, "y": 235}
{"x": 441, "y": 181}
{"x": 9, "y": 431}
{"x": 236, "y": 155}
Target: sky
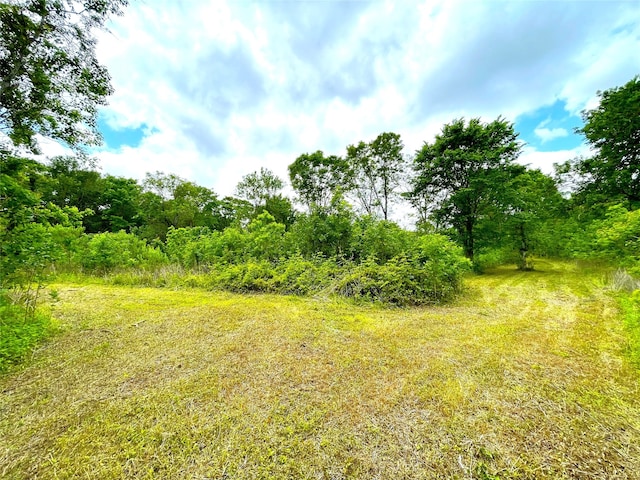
{"x": 213, "y": 90}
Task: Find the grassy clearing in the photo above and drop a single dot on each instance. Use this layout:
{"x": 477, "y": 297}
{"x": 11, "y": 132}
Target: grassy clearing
{"x": 525, "y": 377}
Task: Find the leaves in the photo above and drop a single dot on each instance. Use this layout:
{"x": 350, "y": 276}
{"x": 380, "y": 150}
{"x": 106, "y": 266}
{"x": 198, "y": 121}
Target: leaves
{"x": 613, "y": 129}
{"x": 464, "y": 172}
{"x": 51, "y": 82}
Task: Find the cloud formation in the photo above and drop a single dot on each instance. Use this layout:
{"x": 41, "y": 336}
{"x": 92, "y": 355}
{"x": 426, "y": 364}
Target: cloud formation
{"x": 224, "y": 88}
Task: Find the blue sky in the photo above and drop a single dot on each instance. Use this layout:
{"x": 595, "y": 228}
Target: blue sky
{"x": 117, "y": 137}
{"x": 212, "y": 90}
{"x": 550, "y": 128}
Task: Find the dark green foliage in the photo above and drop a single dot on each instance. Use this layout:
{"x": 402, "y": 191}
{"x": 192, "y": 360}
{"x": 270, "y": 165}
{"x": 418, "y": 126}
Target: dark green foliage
{"x": 463, "y": 174}
{"x": 521, "y": 221}
{"x": 281, "y": 209}
{"x": 120, "y": 204}
{"x": 50, "y": 80}
{"x": 613, "y": 130}
{"x": 171, "y": 201}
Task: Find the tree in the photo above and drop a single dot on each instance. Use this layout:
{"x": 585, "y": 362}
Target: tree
{"x": 70, "y": 182}
{"x": 316, "y": 178}
{"x": 281, "y": 209}
{"x": 464, "y": 172}
{"x": 50, "y": 80}
{"x": 259, "y": 187}
{"x": 120, "y": 204}
{"x": 378, "y": 167}
{"x": 325, "y": 230}
{"x": 171, "y": 201}
{"x": 524, "y": 218}
{"x": 613, "y": 130}
{"x": 27, "y": 225}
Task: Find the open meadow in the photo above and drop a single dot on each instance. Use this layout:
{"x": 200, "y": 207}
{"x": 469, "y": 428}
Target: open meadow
{"x": 526, "y": 375}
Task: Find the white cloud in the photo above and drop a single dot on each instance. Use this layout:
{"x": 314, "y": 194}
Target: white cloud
{"x": 547, "y": 134}
{"x": 545, "y": 161}
{"x": 228, "y": 87}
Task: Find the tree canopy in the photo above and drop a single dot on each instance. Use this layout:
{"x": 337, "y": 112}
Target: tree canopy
{"x": 317, "y": 178}
{"x": 613, "y": 130}
{"x": 464, "y": 171}
{"x": 377, "y": 169}
{"x": 50, "y": 80}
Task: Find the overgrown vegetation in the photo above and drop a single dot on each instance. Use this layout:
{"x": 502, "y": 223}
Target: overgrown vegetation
{"x": 21, "y": 329}
{"x": 471, "y": 198}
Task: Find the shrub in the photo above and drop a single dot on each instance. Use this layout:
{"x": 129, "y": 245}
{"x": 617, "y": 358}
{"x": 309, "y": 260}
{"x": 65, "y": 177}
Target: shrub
{"x": 20, "y": 331}
{"x": 380, "y": 239}
{"x": 252, "y": 276}
{"x": 104, "y": 252}
{"x": 299, "y": 276}
{"x": 431, "y": 272}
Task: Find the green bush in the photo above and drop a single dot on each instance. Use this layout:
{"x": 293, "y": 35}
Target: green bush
{"x": 406, "y": 279}
{"x": 185, "y": 245}
{"x": 299, "y": 276}
{"x": 20, "y": 331}
{"x": 105, "y": 252}
{"x": 380, "y": 239}
{"x": 617, "y": 238}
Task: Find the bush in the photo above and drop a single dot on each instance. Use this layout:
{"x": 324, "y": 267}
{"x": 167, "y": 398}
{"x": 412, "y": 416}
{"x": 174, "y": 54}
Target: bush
{"x": 380, "y": 239}
{"x": 104, "y": 252}
{"x": 20, "y": 331}
{"x": 404, "y": 280}
{"x": 299, "y": 276}
{"x": 429, "y": 271}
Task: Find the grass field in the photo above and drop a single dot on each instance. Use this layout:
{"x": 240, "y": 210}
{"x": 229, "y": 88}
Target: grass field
{"x": 526, "y": 376}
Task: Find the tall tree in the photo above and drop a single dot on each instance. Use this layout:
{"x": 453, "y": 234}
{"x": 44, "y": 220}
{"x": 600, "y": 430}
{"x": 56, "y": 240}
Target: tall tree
{"x": 171, "y": 201}
{"x": 378, "y": 168}
{"x": 259, "y": 187}
{"x": 120, "y": 204}
{"x": 72, "y": 182}
{"x": 316, "y": 178}
{"x": 523, "y": 218}
{"x": 464, "y": 172}
{"x": 50, "y": 80}
{"x": 613, "y": 130}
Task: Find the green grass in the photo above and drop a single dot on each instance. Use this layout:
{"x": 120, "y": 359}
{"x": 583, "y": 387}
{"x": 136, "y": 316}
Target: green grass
{"x": 526, "y": 376}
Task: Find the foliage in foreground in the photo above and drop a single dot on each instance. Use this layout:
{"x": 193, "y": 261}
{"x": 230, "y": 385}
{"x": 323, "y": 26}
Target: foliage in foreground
{"x": 20, "y": 331}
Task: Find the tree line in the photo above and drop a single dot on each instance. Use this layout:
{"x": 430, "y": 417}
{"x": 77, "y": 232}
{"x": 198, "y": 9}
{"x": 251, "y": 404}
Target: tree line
{"x": 466, "y": 184}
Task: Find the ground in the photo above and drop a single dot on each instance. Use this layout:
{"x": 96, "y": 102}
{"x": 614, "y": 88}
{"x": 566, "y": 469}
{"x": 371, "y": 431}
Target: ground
{"x": 527, "y": 375}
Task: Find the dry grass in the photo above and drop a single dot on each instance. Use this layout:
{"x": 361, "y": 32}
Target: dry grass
{"x": 526, "y": 377}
